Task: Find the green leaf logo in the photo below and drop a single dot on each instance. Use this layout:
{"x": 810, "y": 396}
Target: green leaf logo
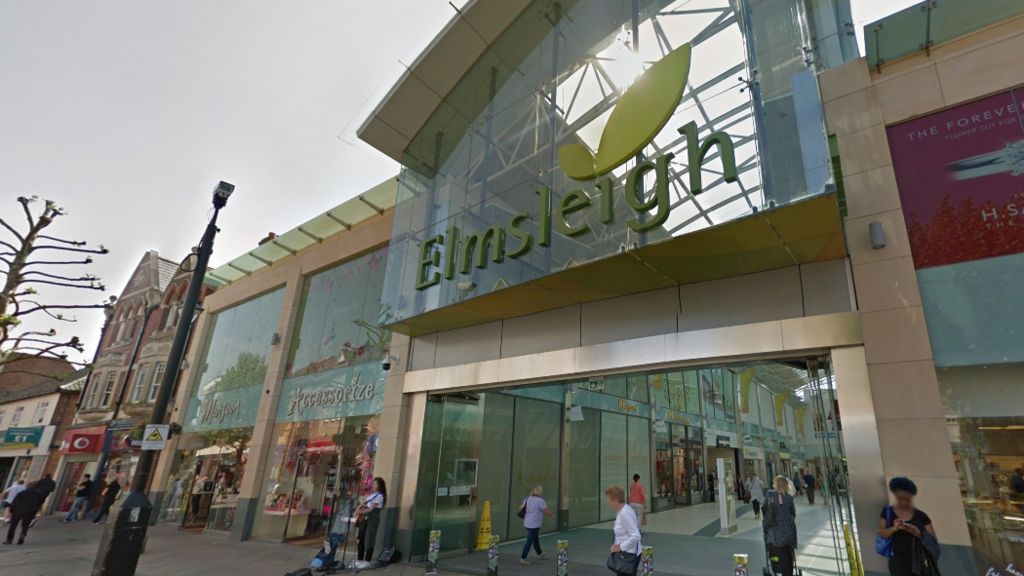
{"x": 641, "y": 112}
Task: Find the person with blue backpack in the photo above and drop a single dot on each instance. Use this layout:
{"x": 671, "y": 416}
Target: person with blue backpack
{"x": 906, "y": 535}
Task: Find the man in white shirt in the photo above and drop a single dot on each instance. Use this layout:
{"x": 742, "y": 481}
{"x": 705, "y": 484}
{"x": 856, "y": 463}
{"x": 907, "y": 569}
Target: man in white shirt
{"x": 12, "y": 491}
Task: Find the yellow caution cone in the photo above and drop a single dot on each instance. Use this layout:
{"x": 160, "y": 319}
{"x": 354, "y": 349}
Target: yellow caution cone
{"x": 483, "y": 537}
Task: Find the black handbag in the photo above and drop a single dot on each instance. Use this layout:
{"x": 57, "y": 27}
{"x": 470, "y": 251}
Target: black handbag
{"x": 522, "y": 509}
{"x": 623, "y": 563}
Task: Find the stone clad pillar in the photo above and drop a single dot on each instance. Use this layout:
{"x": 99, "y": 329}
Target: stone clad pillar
{"x": 904, "y": 389}
{"x": 393, "y": 438}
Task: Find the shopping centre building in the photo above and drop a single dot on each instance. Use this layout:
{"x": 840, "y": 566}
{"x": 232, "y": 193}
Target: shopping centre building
{"x": 690, "y": 240}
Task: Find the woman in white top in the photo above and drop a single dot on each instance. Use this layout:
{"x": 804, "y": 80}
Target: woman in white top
{"x": 756, "y": 489}
{"x": 626, "y": 528}
{"x": 370, "y": 514}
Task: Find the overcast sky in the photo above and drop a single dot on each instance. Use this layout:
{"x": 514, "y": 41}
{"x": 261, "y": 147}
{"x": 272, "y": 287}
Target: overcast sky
{"x": 128, "y": 112}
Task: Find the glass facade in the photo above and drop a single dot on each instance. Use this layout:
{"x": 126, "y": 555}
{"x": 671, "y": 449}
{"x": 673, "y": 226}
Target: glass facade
{"x": 958, "y": 174}
{"x": 207, "y": 472}
{"x": 490, "y": 159}
{"x": 325, "y": 437}
{"x": 576, "y": 438}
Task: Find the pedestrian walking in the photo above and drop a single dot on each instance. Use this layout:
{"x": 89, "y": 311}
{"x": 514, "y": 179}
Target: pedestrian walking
{"x": 810, "y": 484}
{"x": 780, "y": 527}
{"x": 23, "y": 510}
{"x": 81, "y": 501}
{"x": 109, "y": 497}
{"x": 907, "y": 535}
{"x": 638, "y": 499}
{"x": 625, "y": 550}
{"x": 10, "y": 494}
{"x": 46, "y": 485}
{"x": 369, "y": 513}
{"x": 756, "y": 490}
{"x": 798, "y": 484}
{"x": 532, "y": 511}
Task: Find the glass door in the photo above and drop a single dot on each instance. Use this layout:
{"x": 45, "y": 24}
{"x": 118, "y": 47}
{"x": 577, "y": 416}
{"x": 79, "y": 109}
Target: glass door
{"x": 828, "y": 467}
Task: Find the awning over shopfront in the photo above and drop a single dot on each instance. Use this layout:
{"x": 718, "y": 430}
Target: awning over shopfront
{"x": 800, "y": 233}
{"x": 340, "y": 219}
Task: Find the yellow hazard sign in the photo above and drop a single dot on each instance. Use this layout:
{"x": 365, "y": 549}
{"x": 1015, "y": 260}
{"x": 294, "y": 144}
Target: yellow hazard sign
{"x": 155, "y": 436}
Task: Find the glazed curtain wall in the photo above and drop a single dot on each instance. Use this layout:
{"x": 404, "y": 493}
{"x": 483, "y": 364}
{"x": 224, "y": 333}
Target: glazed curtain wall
{"x": 552, "y": 80}
{"x": 205, "y": 479}
{"x": 959, "y": 175}
{"x": 327, "y": 418}
{"x": 226, "y": 393}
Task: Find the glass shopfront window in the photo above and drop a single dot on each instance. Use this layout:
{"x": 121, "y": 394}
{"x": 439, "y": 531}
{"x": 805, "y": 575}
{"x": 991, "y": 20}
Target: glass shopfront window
{"x": 314, "y": 466}
{"x": 576, "y": 438}
{"x": 207, "y": 472}
{"x": 961, "y": 198}
{"x": 325, "y": 440}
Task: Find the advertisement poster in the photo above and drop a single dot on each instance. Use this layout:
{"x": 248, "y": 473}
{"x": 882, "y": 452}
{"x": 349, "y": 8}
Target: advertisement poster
{"x": 960, "y": 174}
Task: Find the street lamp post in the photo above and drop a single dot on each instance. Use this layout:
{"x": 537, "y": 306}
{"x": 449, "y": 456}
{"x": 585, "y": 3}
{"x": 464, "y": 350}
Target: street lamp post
{"x": 123, "y": 539}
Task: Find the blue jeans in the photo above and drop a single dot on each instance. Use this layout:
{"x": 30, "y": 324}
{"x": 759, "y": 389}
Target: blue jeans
{"x": 532, "y": 537}
{"x": 76, "y": 507}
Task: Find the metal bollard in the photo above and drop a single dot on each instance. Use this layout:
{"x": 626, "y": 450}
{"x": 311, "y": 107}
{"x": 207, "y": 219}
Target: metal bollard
{"x": 646, "y": 561}
{"x": 562, "y": 559}
{"x": 740, "y": 562}
{"x": 433, "y": 549}
{"x": 492, "y": 555}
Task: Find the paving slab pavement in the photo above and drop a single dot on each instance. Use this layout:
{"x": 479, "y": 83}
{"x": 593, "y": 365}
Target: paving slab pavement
{"x": 56, "y": 549}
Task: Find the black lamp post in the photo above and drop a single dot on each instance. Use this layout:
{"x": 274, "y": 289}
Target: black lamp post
{"x": 123, "y": 539}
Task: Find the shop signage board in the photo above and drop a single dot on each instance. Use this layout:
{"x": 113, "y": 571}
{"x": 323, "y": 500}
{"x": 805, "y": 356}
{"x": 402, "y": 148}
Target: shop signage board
{"x": 608, "y": 403}
{"x": 80, "y": 443}
{"x": 960, "y": 174}
{"x": 641, "y": 112}
{"x": 155, "y": 436}
{"x": 222, "y": 409}
{"x": 347, "y": 391}
{"x": 28, "y": 437}
{"x": 121, "y": 424}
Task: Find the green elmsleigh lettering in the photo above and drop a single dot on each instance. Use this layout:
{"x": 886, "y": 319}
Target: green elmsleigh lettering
{"x": 446, "y": 256}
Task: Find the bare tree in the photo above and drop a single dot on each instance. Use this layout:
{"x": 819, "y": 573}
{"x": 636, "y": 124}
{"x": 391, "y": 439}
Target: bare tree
{"x": 27, "y": 266}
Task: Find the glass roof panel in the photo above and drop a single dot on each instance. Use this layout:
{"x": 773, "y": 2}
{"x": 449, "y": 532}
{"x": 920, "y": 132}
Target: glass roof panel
{"x": 337, "y": 220}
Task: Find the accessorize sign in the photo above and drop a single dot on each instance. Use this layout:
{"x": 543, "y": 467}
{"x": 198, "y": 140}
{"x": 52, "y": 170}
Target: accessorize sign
{"x": 961, "y": 180}
{"x": 348, "y": 391}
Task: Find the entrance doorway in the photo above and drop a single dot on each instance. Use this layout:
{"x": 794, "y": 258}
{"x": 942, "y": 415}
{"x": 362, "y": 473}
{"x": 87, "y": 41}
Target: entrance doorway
{"x": 574, "y": 438}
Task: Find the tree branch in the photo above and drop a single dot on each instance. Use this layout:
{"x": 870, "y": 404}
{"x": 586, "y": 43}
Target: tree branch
{"x": 28, "y": 213}
{"x": 38, "y": 307}
{"x": 82, "y": 286}
{"x": 86, "y": 278}
{"x": 56, "y": 262}
{"x": 13, "y": 231}
{"x": 100, "y": 250}
{"x": 62, "y": 240}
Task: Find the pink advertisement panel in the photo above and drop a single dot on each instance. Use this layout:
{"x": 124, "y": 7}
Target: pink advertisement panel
{"x": 960, "y": 174}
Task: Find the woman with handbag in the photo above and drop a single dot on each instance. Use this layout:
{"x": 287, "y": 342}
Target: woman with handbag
{"x": 906, "y": 535}
{"x": 625, "y": 550}
{"x": 780, "y": 527}
{"x": 368, "y": 518}
{"x": 532, "y": 511}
